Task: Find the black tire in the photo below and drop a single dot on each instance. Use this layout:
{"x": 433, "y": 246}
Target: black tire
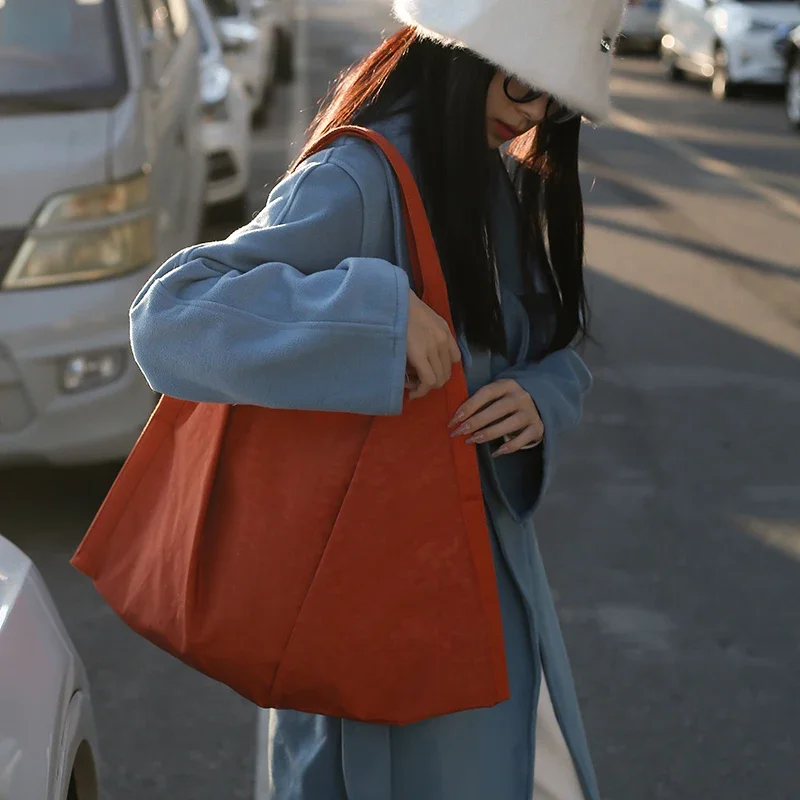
{"x": 722, "y": 87}
{"x": 669, "y": 65}
{"x": 236, "y": 210}
{"x": 793, "y": 92}
{"x": 284, "y": 57}
{"x": 261, "y": 111}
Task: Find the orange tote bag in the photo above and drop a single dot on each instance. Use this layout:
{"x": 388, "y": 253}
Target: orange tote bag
{"x": 332, "y": 563}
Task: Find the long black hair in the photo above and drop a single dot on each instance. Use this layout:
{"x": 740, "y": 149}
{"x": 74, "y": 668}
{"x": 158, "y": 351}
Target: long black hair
{"x": 448, "y": 87}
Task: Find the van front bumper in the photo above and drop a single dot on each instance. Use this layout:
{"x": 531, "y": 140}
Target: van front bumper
{"x": 753, "y": 59}
{"x": 42, "y": 331}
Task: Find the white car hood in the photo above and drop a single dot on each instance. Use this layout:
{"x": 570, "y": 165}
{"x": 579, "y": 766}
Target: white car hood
{"x": 43, "y": 154}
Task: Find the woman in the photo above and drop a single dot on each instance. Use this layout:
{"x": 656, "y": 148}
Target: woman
{"x": 309, "y": 307}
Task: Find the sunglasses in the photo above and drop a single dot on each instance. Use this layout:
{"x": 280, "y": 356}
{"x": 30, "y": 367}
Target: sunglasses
{"x": 519, "y": 92}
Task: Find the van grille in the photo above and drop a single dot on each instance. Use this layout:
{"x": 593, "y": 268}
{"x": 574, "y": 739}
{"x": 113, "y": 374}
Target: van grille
{"x": 10, "y": 241}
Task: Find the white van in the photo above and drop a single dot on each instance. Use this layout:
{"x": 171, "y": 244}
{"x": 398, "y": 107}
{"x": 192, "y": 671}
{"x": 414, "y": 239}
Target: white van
{"x": 729, "y": 42}
{"x": 102, "y": 177}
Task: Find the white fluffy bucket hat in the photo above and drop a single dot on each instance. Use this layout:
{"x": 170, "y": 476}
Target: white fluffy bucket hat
{"x": 563, "y": 47}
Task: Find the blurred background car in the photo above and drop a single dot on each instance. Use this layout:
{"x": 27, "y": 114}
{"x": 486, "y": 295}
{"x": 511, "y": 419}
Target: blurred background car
{"x": 788, "y": 45}
{"x": 729, "y": 42}
{"x": 280, "y": 15}
{"x": 250, "y": 48}
{"x": 640, "y": 25}
{"x": 226, "y": 131}
{"x": 48, "y": 744}
{"x": 103, "y": 178}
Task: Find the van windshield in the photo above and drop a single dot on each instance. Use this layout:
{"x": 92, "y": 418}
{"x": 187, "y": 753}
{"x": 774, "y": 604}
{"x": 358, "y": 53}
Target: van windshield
{"x": 59, "y": 55}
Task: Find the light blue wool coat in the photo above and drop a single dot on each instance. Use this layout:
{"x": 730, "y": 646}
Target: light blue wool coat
{"x": 306, "y": 308}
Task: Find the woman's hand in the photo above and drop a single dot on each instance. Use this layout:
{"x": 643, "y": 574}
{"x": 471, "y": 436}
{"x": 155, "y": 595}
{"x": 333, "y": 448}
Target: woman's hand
{"x": 500, "y": 410}
{"x": 431, "y": 349}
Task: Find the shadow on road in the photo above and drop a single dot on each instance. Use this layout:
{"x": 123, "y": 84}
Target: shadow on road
{"x": 672, "y": 535}
{"x": 750, "y": 131}
{"x": 719, "y": 253}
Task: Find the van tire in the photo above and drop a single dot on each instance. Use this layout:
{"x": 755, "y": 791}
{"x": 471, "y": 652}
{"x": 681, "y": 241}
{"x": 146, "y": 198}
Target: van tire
{"x": 235, "y": 210}
{"x": 793, "y": 92}
{"x": 284, "y": 57}
{"x": 722, "y": 87}
{"x": 261, "y": 111}
{"x": 669, "y": 65}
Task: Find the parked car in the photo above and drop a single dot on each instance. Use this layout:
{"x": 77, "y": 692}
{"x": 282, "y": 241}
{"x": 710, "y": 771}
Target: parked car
{"x": 279, "y": 17}
{"x": 788, "y": 45}
{"x": 48, "y": 744}
{"x": 729, "y": 42}
{"x": 103, "y": 177}
{"x": 640, "y": 25}
{"x": 226, "y": 131}
{"x": 249, "y": 48}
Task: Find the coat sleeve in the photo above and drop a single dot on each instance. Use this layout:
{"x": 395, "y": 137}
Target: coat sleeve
{"x": 284, "y": 313}
{"x": 557, "y": 385}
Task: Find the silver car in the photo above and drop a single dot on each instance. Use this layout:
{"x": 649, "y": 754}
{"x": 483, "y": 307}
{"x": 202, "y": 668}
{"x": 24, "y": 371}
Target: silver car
{"x": 257, "y": 38}
{"x": 48, "y": 743}
{"x": 729, "y": 42}
{"x": 103, "y": 177}
{"x": 226, "y": 132}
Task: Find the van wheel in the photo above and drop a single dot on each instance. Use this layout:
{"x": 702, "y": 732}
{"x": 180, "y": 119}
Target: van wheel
{"x": 793, "y": 92}
{"x": 669, "y": 65}
{"x": 284, "y": 57}
{"x": 261, "y": 111}
{"x": 722, "y": 87}
{"x": 236, "y": 210}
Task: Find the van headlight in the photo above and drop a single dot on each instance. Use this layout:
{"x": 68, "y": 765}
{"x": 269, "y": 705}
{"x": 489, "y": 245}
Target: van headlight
{"x": 215, "y": 84}
{"x": 87, "y": 235}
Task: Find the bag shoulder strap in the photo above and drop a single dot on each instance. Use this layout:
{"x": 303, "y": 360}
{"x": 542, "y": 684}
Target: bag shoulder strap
{"x": 421, "y": 246}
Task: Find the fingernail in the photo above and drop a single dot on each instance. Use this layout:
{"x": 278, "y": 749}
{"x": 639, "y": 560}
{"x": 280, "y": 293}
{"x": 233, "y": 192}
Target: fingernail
{"x": 456, "y": 419}
{"x": 460, "y": 431}
{"x": 501, "y": 451}
{"x": 476, "y": 439}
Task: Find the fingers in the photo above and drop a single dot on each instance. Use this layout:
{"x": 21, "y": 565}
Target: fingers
{"x": 446, "y": 353}
{"x": 455, "y": 352}
{"x": 431, "y": 356}
{"x": 432, "y": 373}
{"x": 431, "y": 348}
{"x": 533, "y": 434}
{"x": 510, "y": 426}
{"x": 425, "y": 378}
{"x": 484, "y": 396}
{"x": 499, "y": 410}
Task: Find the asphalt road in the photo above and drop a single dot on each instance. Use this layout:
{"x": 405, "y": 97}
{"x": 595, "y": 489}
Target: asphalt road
{"x": 672, "y": 530}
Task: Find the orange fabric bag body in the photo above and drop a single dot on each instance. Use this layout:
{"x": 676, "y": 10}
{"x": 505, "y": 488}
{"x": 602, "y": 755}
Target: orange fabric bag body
{"x": 332, "y": 563}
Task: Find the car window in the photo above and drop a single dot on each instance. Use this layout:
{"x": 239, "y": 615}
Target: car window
{"x": 77, "y": 50}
